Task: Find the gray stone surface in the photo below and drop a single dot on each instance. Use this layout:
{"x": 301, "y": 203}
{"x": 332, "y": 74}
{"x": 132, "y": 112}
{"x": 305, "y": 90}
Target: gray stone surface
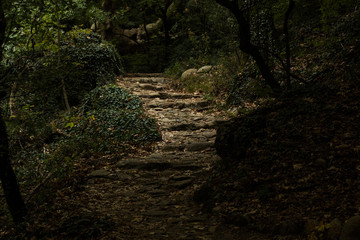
{"x": 154, "y": 191}
{"x": 200, "y": 146}
{"x": 205, "y": 69}
{"x": 101, "y": 173}
{"x": 182, "y": 184}
{"x": 189, "y": 72}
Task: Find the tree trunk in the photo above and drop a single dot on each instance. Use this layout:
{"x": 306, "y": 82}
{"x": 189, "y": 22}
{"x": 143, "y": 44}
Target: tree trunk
{"x": 247, "y": 47}
{"x": 7, "y": 176}
{"x": 66, "y": 100}
{"x": 8, "y": 179}
{"x": 2, "y": 30}
{"x": 165, "y": 20}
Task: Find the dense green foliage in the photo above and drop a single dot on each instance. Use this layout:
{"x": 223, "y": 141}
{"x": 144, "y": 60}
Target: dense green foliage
{"x": 118, "y": 116}
{"x": 82, "y": 63}
{"x": 49, "y": 62}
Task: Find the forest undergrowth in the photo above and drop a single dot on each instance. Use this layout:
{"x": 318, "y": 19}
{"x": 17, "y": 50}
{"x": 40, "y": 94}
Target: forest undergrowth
{"x": 297, "y": 170}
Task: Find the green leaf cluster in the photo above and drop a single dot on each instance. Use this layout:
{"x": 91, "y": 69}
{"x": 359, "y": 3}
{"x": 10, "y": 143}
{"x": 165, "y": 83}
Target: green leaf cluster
{"x": 115, "y": 114}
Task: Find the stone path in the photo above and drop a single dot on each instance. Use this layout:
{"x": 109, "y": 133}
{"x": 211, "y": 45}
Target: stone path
{"x": 150, "y": 197}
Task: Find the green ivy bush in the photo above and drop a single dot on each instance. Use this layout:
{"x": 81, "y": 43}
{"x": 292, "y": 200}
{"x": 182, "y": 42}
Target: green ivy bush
{"x": 85, "y": 63}
{"x": 82, "y": 63}
{"x": 105, "y": 119}
{"x": 109, "y": 120}
{"x": 113, "y": 113}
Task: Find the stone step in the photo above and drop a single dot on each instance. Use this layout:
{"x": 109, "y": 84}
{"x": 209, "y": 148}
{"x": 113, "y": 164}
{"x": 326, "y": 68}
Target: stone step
{"x": 162, "y": 161}
{"x": 152, "y": 87}
{"x": 139, "y": 87}
{"x": 177, "y": 104}
{"x": 191, "y": 147}
{"x": 153, "y": 80}
{"x": 159, "y": 165}
{"x": 144, "y": 75}
{"x": 192, "y": 126}
{"x": 188, "y": 137}
{"x": 164, "y": 95}
{"x": 181, "y": 115}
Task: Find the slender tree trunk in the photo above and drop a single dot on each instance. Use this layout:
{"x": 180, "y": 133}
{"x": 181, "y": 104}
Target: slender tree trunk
{"x": 12, "y": 99}
{"x": 147, "y": 47}
{"x": 2, "y": 29}
{"x": 165, "y": 20}
{"x": 247, "y": 47}
{"x": 66, "y": 100}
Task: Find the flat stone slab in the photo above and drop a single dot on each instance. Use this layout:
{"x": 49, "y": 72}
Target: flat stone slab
{"x": 156, "y": 193}
{"x": 180, "y": 178}
{"x": 190, "y": 126}
{"x": 132, "y": 75}
{"x": 151, "y": 87}
{"x": 172, "y": 147}
{"x": 156, "y": 213}
{"x": 152, "y": 94}
{"x": 144, "y": 165}
{"x": 177, "y": 104}
{"x": 164, "y": 95}
{"x": 101, "y": 173}
{"x": 200, "y": 146}
{"x": 154, "y": 79}
{"x": 182, "y": 184}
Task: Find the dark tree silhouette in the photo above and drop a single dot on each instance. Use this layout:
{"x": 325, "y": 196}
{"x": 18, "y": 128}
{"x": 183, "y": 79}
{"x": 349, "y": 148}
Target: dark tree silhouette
{"x": 245, "y": 42}
{"x": 8, "y": 179}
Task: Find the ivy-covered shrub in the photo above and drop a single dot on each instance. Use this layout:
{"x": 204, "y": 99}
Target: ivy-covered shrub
{"x": 46, "y": 140}
{"x": 112, "y": 113}
{"x": 98, "y": 61}
{"x": 109, "y": 120}
{"x": 83, "y": 63}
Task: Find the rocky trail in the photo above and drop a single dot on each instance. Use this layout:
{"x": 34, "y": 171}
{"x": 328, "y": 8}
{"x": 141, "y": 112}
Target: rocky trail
{"x": 151, "y": 196}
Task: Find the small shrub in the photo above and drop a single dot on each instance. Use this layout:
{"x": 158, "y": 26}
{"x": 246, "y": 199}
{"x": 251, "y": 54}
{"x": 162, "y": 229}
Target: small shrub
{"x": 118, "y": 114}
{"x": 108, "y": 120}
{"x": 83, "y": 62}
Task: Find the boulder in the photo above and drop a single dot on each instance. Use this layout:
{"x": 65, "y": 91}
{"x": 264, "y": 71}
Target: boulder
{"x": 189, "y": 72}
{"x": 205, "y": 69}
{"x": 131, "y": 33}
{"x": 151, "y": 28}
{"x": 351, "y": 229}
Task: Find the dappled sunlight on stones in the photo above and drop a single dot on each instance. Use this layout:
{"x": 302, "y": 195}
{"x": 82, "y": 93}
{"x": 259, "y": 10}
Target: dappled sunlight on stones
{"x": 153, "y": 192}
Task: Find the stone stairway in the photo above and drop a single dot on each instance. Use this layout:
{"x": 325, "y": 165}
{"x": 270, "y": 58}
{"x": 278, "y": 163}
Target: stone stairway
{"x": 150, "y": 197}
